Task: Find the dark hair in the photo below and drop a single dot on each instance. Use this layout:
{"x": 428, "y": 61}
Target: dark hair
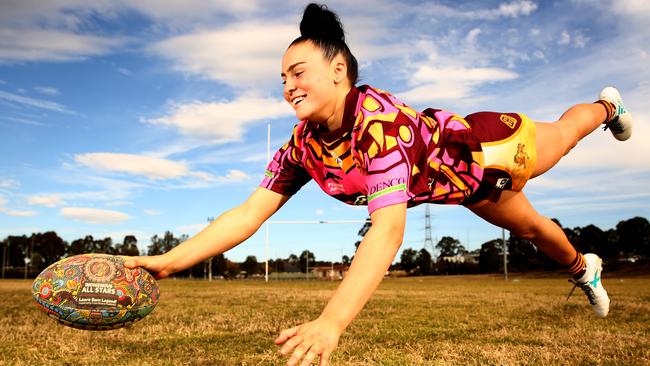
{"x": 323, "y": 27}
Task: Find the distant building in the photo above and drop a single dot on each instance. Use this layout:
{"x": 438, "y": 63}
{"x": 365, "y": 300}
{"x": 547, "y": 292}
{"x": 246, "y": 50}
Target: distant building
{"x": 469, "y": 258}
{"x": 335, "y": 272}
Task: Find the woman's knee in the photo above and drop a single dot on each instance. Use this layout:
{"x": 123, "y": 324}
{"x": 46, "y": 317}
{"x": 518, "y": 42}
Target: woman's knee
{"x": 530, "y": 230}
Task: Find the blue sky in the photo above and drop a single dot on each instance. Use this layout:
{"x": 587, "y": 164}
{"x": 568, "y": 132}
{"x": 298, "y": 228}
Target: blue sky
{"x": 137, "y": 117}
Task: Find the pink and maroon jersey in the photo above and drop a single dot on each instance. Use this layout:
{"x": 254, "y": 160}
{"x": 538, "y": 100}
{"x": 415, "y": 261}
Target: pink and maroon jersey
{"x": 385, "y": 153}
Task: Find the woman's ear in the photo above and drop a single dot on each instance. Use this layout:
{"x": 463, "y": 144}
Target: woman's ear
{"x": 339, "y": 69}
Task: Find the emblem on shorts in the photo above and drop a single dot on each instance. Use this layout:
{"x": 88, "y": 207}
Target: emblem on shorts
{"x": 521, "y": 157}
{"x": 361, "y": 200}
{"x": 501, "y": 183}
{"x": 508, "y": 120}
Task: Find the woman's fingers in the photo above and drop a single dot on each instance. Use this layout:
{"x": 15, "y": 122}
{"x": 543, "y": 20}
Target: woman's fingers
{"x": 286, "y": 334}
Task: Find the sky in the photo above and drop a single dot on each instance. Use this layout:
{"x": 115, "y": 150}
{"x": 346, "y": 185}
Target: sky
{"x": 136, "y": 117}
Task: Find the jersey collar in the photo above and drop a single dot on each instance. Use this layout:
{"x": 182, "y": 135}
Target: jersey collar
{"x": 349, "y": 115}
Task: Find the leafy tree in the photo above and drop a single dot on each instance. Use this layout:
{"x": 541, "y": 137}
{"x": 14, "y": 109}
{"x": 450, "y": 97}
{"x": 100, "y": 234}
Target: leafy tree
{"x": 424, "y": 262}
{"x": 522, "y": 254}
{"x": 346, "y": 260}
{"x": 129, "y": 246}
{"x": 449, "y": 247}
{"x": 104, "y": 246}
{"x": 250, "y": 265}
{"x": 17, "y": 247}
{"x": 49, "y": 246}
{"x": 219, "y": 265}
{"x": 163, "y": 245}
{"x": 634, "y": 236}
{"x": 491, "y": 256}
{"x": 362, "y": 233}
{"x": 81, "y": 246}
{"x": 304, "y": 257}
{"x": 232, "y": 269}
{"x": 408, "y": 260}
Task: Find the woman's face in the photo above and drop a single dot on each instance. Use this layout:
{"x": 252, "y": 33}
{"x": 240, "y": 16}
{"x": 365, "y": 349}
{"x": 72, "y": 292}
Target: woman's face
{"x": 309, "y": 82}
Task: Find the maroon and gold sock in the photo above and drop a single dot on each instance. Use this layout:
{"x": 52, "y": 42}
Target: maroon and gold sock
{"x": 578, "y": 267}
{"x": 609, "y": 107}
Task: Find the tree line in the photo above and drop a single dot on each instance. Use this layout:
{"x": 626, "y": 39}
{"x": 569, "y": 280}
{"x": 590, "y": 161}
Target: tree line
{"x": 628, "y": 242}
{"x": 25, "y": 256}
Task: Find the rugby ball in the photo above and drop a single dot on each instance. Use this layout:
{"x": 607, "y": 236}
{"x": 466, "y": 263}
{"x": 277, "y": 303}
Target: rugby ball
{"x": 95, "y": 292}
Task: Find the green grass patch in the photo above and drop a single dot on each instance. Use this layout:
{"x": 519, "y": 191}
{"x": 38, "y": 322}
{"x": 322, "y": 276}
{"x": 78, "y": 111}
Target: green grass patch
{"x": 456, "y": 320}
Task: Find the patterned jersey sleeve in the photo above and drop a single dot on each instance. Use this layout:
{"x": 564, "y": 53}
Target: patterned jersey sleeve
{"x": 285, "y": 174}
{"x": 389, "y": 154}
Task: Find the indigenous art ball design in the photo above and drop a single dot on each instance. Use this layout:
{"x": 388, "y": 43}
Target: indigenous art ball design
{"x": 95, "y": 292}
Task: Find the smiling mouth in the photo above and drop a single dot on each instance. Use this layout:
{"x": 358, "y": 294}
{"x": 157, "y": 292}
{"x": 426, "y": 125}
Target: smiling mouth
{"x": 295, "y": 101}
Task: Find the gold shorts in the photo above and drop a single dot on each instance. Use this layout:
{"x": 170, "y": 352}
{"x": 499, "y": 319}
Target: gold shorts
{"x": 509, "y": 152}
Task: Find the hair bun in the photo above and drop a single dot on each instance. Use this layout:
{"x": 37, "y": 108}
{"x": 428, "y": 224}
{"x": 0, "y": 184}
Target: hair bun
{"x": 319, "y": 22}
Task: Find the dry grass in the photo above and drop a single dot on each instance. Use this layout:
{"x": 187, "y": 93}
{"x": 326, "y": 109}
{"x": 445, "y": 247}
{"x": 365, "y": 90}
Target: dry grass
{"x": 470, "y": 320}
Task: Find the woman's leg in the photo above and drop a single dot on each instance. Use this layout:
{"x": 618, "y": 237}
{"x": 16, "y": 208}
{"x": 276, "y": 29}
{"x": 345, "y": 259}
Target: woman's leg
{"x": 513, "y": 212}
{"x": 556, "y": 139}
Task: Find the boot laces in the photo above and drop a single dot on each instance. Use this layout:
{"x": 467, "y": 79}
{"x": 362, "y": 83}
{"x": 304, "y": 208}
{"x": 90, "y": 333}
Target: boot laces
{"x": 614, "y": 125}
{"x": 586, "y": 288}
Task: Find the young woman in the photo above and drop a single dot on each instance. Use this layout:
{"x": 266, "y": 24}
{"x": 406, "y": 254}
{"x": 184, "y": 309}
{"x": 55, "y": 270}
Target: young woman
{"x": 364, "y": 146}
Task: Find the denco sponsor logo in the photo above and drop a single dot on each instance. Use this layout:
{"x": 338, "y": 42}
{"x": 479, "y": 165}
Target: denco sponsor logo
{"x": 386, "y": 186}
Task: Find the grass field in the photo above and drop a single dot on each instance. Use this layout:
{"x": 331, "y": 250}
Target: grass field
{"x": 467, "y": 320}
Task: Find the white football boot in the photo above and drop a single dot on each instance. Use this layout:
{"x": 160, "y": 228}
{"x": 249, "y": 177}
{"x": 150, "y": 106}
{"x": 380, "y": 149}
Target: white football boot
{"x": 592, "y": 286}
{"x": 621, "y": 124}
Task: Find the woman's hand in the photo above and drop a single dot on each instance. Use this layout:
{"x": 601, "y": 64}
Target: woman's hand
{"x": 317, "y": 338}
{"x": 158, "y": 265}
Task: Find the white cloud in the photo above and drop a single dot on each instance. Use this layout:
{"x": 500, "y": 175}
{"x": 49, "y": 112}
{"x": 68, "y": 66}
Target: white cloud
{"x": 15, "y": 213}
{"x": 633, "y": 8}
{"x": 319, "y": 212}
{"x": 118, "y": 204}
{"x": 33, "y": 102}
{"x": 565, "y": 38}
{"x": 18, "y": 213}
{"x": 152, "y": 212}
{"x": 193, "y": 10}
{"x": 580, "y": 40}
{"x": 47, "y": 90}
{"x": 242, "y": 55}
{"x": 9, "y": 184}
{"x": 191, "y": 229}
{"x": 52, "y": 45}
{"x": 52, "y": 200}
{"x": 451, "y": 83}
{"x": 513, "y": 9}
{"x": 94, "y": 215}
{"x": 150, "y": 167}
{"x": 472, "y": 35}
{"x": 234, "y": 176}
{"x": 221, "y": 122}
